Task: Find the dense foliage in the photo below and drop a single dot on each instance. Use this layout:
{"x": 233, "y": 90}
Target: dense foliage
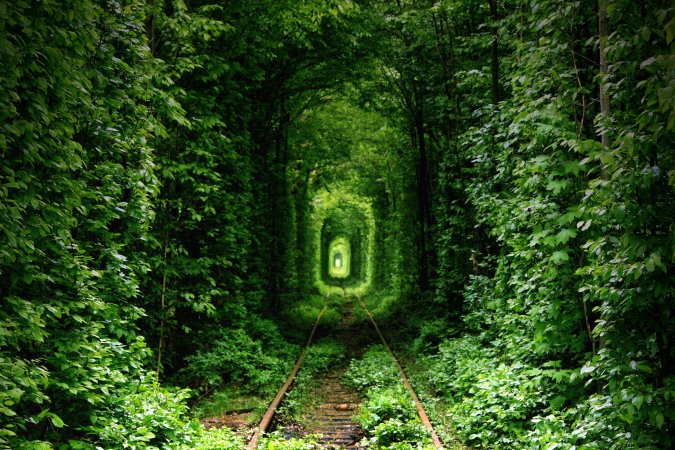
{"x": 503, "y": 169}
{"x": 551, "y": 175}
{"x": 130, "y": 144}
{"x": 77, "y": 182}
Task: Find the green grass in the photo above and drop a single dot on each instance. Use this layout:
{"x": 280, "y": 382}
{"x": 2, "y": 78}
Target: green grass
{"x": 299, "y": 317}
{"x": 230, "y": 399}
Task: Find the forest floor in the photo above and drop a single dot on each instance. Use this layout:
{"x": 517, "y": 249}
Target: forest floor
{"x": 236, "y": 421}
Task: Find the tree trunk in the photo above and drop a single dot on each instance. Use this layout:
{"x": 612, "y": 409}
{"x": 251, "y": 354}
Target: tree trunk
{"x": 162, "y": 319}
{"x": 495, "y": 53}
{"x": 604, "y": 96}
{"x": 424, "y": 213}
{"x": 278, "y": 210}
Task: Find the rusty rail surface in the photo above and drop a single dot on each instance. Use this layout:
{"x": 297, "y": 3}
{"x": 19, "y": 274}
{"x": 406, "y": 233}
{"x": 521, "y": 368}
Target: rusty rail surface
{"x": 269, "y": 414}
{"x": 420, "y": 409}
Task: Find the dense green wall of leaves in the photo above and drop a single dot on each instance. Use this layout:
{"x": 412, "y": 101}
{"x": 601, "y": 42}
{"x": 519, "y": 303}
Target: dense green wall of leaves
{"x": 144, "y": 185}
{"x": 549, "y": 242}
{"x": 75, "y": 204}
{"x": 161, "y": 167}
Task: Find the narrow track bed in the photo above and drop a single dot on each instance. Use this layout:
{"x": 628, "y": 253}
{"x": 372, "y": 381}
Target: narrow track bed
{"x": 333, "y": 418}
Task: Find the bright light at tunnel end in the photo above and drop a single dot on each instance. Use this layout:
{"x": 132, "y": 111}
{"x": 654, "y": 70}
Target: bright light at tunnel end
{"x": 339, "y": 258}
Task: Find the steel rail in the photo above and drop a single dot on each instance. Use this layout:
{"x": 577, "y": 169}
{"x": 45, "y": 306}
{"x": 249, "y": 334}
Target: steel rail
{"x": 420, "y": 409}
{"x": 269, "y": 414}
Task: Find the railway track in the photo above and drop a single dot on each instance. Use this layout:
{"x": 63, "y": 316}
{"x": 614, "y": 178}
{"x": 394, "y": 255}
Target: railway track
{"x": 333, "y": 419}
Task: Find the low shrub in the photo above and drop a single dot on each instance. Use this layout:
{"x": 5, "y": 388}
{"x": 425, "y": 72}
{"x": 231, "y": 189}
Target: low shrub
{"x": 277, "y": 441}
{"x": 257, "y": 358}
{"x": 388, "y": 414}
{"x": 148, "y": 418}
{"x": 323, "y": 356}
{"x": 431, "y": 334}
{"x": 399, "y": 434}
{"x": 384, "y": 404}
{"x": 152, "y": 418}
{"x": 213, "y": 439}
{"x": 375, "y": 369}
{"x": 497, "y": 403}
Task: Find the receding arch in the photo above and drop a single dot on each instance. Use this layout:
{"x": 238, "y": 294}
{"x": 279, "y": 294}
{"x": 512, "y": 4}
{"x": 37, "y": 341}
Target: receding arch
{"x": 344, "y": 230}
{"x": 339, "y": 258}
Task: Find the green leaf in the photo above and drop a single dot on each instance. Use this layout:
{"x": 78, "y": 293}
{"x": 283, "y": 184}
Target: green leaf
{"x": 56, "y": 420}
{"x": 650, "y": 264}
{"x": 6, "y": 411}
{"x": 560, "y": 256}
{"x": 647, "y": 62}
{"x": 584, "y": 225}
{"x": 557, "y": 402}
{"x": 565, "y": 235}
{"x": 557, "y": 185}
{"x": 587, "y": 368}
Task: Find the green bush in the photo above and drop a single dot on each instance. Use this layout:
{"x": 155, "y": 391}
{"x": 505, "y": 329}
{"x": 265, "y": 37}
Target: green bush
{"x": 147, "y": 419}
{"x": 323, "y": 356}
{"x": 399, "y": 434}
{"x": 375, "y": 369}
{"x": 153, "y": 417}
{"x": 384, "y": 404}
{"x": 233, "y": 356}
{"x": 388, "y": 414}
{"x": 214, "y": 439}
{"x": 499, "y": 404}
{"x": 390, "y": 418}
{"x": 431, "y": 334}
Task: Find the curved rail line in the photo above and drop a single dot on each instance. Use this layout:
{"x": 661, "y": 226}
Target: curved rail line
{"x": 269, "y": 414}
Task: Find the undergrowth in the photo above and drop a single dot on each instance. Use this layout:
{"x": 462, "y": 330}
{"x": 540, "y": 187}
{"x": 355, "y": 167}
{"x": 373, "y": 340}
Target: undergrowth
{"x": 299, "y": 317}
{"x": 253, "y": 356}
{"x": 153, "y": 417}
{"x": 388, "y": 413}
{"x": 488, "y": 391}
{"x": 230, "y": 399}
{"x": 277, "y": 441}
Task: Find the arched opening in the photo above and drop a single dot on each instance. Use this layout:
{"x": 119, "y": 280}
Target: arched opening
{"x": 339, "y": 259}
{"x": 344, "y": 234}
